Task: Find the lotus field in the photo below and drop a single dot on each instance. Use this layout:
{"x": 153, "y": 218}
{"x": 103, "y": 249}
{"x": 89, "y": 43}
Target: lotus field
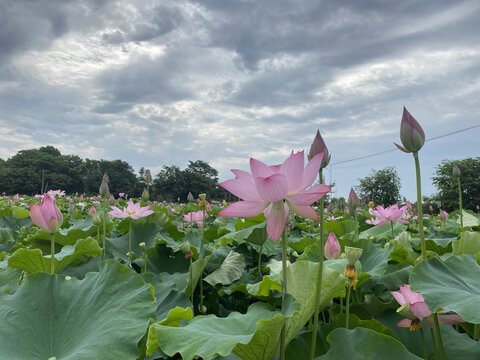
{"x": 276, "y": 274}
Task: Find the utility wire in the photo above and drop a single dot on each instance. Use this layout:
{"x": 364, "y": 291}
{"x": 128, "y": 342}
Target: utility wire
{"x": 394, "y": 149}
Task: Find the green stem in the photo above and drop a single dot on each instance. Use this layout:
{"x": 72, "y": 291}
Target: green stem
{"x": 191, "y": 281}
{"x": 202, "y": 255}
{"x": 104, "y": 226}
{"x": 260, "y": 260}
{"x": 146, "y": 261}
{"x": 283, "y": 335}
{"x": 434, "y": 344}
{"x": 439, "y": 337}
{"x": 476, "y": 331}
{"x": 320, "y": 276}
{"x": 355, "y": 224}
{"x": 425, "y": 352}
{"x": 130, "y": 242}
{"x": 391, "y": 226}
{"x": 460, "y": 201}
{"x": 347, "y": 306}
{"x": 419, "y": 207}
{"x": 52, "y": 253}
{"x": 341, "y": 305}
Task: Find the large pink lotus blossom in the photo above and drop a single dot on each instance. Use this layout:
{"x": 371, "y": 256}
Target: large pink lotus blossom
{"x": 196, "y": 217}
{"x": 132, "y": 210}
{"x": 390, "y": 213}
{"x": 275, "y": 190}
{"x": 46, "y": 216}
{"x": 419, "y": 308}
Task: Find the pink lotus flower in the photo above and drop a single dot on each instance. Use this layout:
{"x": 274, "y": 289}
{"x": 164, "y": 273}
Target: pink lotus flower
{"x": 53, "y": 193}
{"x": 443, "y": 215}
{"x": 391, "y": 213}
{"x": 132, "y": 210}
{"x": 332, "y": 247}
{"x": 419, "y": 309}
{"x": 46, "y": 216}
{"x": 196, "y": 217}
{"x": 16, "y": 197}
{"x": 275, "y": 190}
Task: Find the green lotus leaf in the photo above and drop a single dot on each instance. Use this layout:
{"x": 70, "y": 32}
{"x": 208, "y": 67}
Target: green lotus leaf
{"x": 453, "y": 285}
{"x": 230, "y": 270}
{"x": 100, "y": 317}
{"x": 469, "y": 243}
{"x": 364, "y": 343}
{"x": 384, "y": 231}
{"x": 32, "y": 260}
{"x": 9, "y": 280}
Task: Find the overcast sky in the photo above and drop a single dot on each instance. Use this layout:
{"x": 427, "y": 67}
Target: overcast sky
{"x": 162, "y": 82}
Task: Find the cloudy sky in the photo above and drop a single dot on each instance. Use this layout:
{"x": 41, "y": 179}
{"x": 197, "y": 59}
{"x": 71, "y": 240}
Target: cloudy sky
{"x": 162, "y": 82}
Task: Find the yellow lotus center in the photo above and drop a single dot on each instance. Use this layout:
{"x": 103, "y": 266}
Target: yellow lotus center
{"x": 130, "y": 212}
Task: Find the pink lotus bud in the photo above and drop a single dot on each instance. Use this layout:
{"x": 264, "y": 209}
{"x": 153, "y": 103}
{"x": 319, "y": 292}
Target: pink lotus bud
{"x": 16, "y": 197}
{"x": 318, "y": 146}
{"x": 148, "y": 177}
{"x": 104, "y": 191}
{"x": 46, "y": 216}
{"x": 443, "y": 215}
{"x": 111, "y": 199}
{"x": 456, "y": 170}
{"x": 105, "y": 177}
{"x": 411, "y": 133}
{"x": 353, "y": 199}
{"x": 145, "y": 195}
{"x": 93, "y": 213}
{"x": 71, "y": 207}
{"x": 430, "y": 208}
{"x": 332, "y": 247}
{"x": 190, "y": 197}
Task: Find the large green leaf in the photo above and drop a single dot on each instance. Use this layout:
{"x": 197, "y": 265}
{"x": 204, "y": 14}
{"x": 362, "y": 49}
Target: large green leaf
{"x": 100, "y": 317}
{"x": 469, "y": 243}
{"x": 32, "y": 260}
{"x": 363, "y": 343}
{"x": 452, "y": 285}
{"x": 207, "y": 335}
{"x": 230, "y": 270}
{"x": 384, "y": 231}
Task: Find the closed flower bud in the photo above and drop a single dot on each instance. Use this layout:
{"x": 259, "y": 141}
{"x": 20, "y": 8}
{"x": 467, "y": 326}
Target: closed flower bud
{"x": 145, "y": 195}
{"x": 148, "y": 177}
{"x": 95, "y": 218}
{"x": 411, "y": 133}
{"x": 443, "y": 215}
{"x": 456, "y": 170}
{"x": 318, "y": 146}
{"x": 332, "y": 247}
{"x": 190, "y": 197}
{"x": 104, "y": 191}
{"x": 46, "y": 216}
{"x": 353, "y": 199}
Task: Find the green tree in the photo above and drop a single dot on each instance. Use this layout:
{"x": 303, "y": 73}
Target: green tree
{"x": 447, "y": 187}
{"x": 381, "y": 186}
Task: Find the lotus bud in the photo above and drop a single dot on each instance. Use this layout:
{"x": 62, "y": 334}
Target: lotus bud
{"x": 145, "y": 195}
{"x": 111, "y": 199}
{"x": 190, "y": 197}
{"x": 104, "y": 191}
{"x": 318, "y": 146}
{"x": 353, "y": 199}
{"x": 443, "y": 215}
{"x": 332, "y": 247}
{"x": 105, "y": 177}
{"x": 148, "y": 177}
{"x": 456, "y": 170}
{"x": 71, "y": 208}
{"x": 93, "y": 212}
{"x": 411, "y": 133}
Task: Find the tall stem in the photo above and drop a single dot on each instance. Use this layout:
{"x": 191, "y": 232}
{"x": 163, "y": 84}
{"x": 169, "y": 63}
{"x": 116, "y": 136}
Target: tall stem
{"x": 347, "y": 306}
{"x": 391, "y": 225}
{"x": 104, "y": 226}
{"x": 434, "y": 344}
{"x": 320, "y": 275}
{"x": 460, "y": 201}
{"x": 425, "y": 353}
{"x": 191, "y": 281}
{"x": 260, "y": 260}
{"x": 202, "y": 255}
{"x": 476, "y": 331}
{"x": 355, "y": 224}
{"x": 130, "y": 242}
{"x": 52, "y": 253}
{"x": 439, "y": 336}
{"x": 419, "y": 207}
{"x": 283, "y": 335}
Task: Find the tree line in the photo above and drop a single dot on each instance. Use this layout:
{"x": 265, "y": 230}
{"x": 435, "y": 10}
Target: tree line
{"x": 34, "y": 171}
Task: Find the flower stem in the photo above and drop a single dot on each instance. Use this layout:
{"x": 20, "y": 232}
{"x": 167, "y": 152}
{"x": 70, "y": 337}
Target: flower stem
{"x": 439, "y": 337}
{"x": 191, "y": 281}
{"x": 104, "y": 226}
{"x": 202, "y": 255}
{"x": 425, "y": 353}
{"x": 52, "y": 253}
{"x": 130, "y": 242}
{"x": 283, "y": 335}
{"x": 460, "y": 201}
{"x": 391, "y": 225}
{"x": 435, "y": 353}
{"x": 419, "y": 207}
{"x": 260, "y": 261}
{"x": 355, "y": 225}
{"x": 347, "y": 307}
{"x": 320, "y": 275}
{"x": 476, "y": 331}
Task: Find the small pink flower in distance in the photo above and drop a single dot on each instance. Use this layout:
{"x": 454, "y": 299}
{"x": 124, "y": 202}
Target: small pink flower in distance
{"x": 390, "y": 213}
{"x": 121, "y": 194}
{"x": 275, "y": 190}
{"x": 46, "y": 216}
{"x": 134, "y": 211}
{"x": 16, "y": 197}
{"x": 443, "y": 215}
{"x": 196, "y": 217}
{"x": 332, "y": 247}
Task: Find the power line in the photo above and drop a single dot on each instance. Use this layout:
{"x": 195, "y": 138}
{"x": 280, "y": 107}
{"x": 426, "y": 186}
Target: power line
{"x": 394, "y": 149}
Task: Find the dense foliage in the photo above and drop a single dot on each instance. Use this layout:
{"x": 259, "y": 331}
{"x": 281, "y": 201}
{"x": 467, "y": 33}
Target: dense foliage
{"x": 447, "y": 183}
{"x": 380, "y": 186}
